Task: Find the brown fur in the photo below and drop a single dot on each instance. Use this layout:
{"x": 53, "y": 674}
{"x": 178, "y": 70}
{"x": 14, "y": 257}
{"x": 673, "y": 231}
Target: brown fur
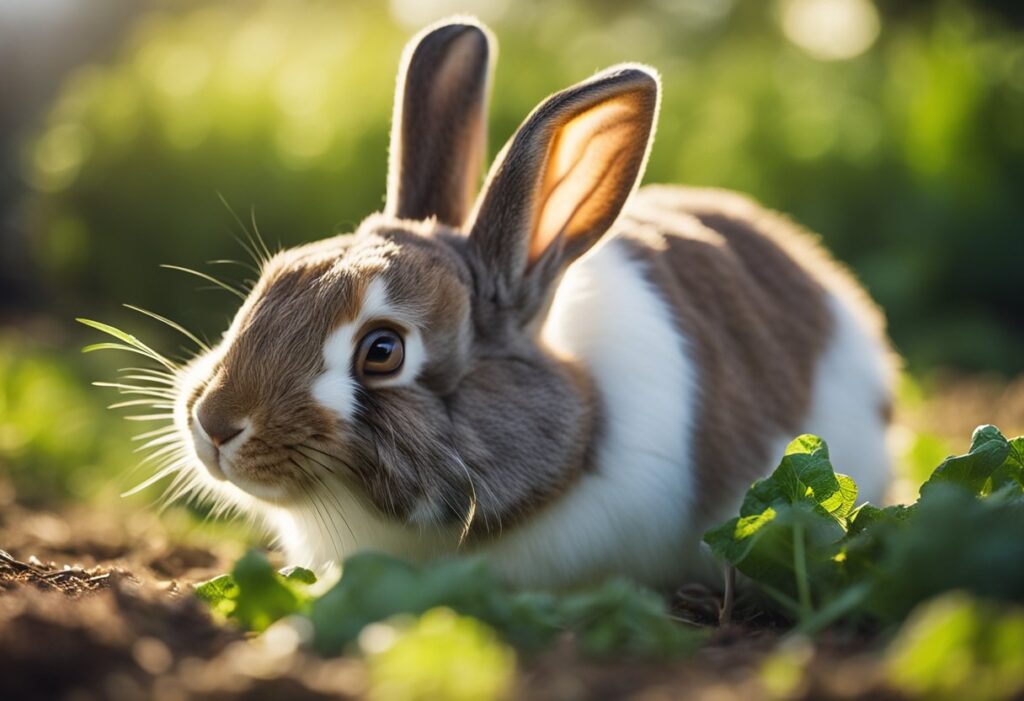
{"x": 748, "y": 289}
{"x": 495, "y": 427}
{"x": 457, "y": 435}
{"x": 439, "y": 127}
{"x": 558, "y": 186}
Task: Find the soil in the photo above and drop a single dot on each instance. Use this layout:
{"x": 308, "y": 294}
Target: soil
{"x": 98, "y": 605}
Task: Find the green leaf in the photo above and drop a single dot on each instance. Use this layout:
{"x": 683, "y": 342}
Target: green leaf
{"x": 802, "y": 541}
{"x": 951, "y": 540}
{"x": 374, "y": 587}
{"x": 220, "y": 593}
{"x": 870, "y": 516}
{"x": 440, "y": 655}
{"x": 956, "y": 647}
{"x": 616, "y": 618}
{"x": 787, "y": 535}
{"x": 840, "y": 503}
{"x": 622, "y": 618}
{"x": 973, "y": 470}
{"x": 805, "y": 475}
{"x": 299, "y": 574}
{"x": 1011, "y": 472}
{"x": 254, "y": 594}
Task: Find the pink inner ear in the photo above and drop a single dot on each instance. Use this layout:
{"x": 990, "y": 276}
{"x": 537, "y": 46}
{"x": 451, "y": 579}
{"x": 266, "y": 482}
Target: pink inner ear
{"x": 584, "y": 180}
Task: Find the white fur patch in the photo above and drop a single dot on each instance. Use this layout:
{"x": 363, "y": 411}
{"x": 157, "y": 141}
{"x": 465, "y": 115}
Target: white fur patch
{"x": 336, "y": 389}
{"x": 631, "y": 514}
{"x": 851, "y": 385}
{"x": 334, "y": 527}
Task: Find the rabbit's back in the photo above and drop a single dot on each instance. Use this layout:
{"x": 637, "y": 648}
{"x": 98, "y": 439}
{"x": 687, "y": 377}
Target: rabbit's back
{"x": 785, "y": 339}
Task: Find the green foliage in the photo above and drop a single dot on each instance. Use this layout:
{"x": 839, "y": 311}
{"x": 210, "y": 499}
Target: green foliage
{"x": 975, "y": 470}
{"x": 788, "y": 526}
{"x": 956, "y": 647}
{"x": 922, "y": 455}
{"x": 800, "y": 540}
{"x": 255, "y": 595}
{"x": 893, "y": 154}
{"x": 621, "y": 618}
{"x": 442, "y": 629}
{"x": 439, "y": 655}
{"x": 56, "y": 440}
{"x": 615, "y": 618}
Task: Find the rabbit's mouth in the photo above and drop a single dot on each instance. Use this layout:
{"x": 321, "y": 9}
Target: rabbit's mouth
{"x": 263, "y": 475}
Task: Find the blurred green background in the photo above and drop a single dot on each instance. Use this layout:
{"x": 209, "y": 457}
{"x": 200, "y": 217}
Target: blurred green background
{"x": 894, "y": 129}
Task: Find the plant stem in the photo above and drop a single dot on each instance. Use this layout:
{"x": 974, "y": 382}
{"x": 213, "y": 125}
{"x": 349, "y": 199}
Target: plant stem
{"x": 725, "y": 613}
{"x": 800, "y": 570}
{"x": 834, "y": 610}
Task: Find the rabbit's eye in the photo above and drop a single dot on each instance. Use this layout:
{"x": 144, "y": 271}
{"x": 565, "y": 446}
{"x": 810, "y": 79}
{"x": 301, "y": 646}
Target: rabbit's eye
{"x": 380, "y": 354}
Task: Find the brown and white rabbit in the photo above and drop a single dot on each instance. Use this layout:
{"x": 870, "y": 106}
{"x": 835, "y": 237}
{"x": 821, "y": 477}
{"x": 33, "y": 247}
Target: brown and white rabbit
{"x": 566, "y": 376}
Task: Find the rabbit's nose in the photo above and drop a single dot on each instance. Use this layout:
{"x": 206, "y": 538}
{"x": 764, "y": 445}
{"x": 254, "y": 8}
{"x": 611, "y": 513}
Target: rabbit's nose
{"x": 218, "y": 427}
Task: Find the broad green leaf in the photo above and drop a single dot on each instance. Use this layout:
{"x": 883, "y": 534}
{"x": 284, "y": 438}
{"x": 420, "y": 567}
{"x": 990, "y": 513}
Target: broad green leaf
{"x": 786, "y": 536}
{"x": 804, "y": 475}
{"x": 973, "y": 470}
{"x": 373, "y": 587}
{"x": 842, "y": 502}
{"x": 801, "y": 540}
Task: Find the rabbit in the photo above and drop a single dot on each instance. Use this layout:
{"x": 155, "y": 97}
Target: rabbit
{"x": 564, "y": 375}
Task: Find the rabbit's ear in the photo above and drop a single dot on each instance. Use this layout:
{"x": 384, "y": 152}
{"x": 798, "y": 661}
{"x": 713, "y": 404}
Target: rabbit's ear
{"x": 562, "y": 180}
{"x": 439, "y": 124}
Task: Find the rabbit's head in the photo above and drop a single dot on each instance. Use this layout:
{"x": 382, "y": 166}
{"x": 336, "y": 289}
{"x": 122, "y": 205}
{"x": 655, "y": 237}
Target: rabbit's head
{"x": 401, "y": 365}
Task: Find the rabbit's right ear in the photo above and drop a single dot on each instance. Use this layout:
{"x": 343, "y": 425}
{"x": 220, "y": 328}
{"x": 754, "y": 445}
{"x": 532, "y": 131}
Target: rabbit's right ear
{"x": 439, "y": 124}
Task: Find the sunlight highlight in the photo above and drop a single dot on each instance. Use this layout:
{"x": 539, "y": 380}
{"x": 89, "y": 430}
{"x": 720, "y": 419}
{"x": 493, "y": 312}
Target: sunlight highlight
{"x": 831, "y": 30}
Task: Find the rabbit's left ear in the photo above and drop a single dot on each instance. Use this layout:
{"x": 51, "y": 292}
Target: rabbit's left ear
{"x": 561, "y": 182}
{"x": 439, "y": 124}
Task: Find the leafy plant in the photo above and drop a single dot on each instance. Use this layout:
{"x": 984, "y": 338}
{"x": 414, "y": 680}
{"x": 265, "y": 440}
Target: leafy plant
{"x": 616, "y": 617}
{"x": 957, "y": 647}
{"x": 800, "y": 540}
{"x": 56, "y": 442}
{"x": 788, "y": 526}
{"x": 284, "y": 105}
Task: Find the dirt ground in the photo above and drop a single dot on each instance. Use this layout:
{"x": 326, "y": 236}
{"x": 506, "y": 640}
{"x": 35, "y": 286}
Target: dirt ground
{"x": 96, "y": 607}
{"x": 99, "y": 606}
